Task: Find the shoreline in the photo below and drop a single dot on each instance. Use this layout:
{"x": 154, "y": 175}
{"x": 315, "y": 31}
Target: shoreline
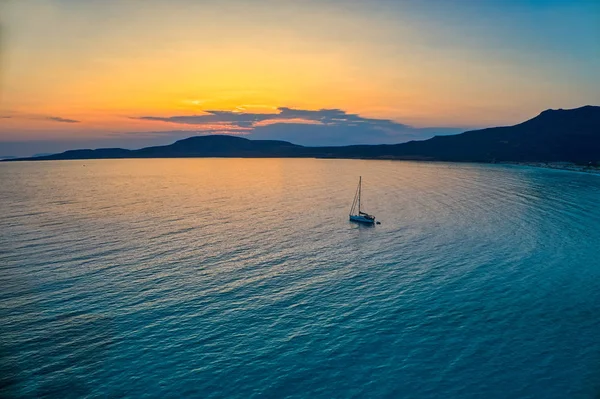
{"x": 571, "y": 167}
{"x": 565, "y": 166}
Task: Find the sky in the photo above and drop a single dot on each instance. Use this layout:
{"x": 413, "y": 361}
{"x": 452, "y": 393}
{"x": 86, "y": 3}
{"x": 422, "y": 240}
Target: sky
{"x": 104, "y": 73}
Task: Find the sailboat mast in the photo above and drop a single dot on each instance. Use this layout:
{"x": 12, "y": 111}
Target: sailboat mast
{"x": 359, "y": 189}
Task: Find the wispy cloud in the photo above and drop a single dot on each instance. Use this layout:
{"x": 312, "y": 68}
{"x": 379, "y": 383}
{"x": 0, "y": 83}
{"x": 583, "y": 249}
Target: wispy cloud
{"x": 301, "y": 126}
{"x": 24, "y": 115}
{"x": 62, "y": 120}
{"x": 249, "y": 119}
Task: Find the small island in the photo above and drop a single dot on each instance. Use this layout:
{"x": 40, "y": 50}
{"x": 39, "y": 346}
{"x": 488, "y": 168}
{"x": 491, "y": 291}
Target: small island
{"x": 557, "y": 139}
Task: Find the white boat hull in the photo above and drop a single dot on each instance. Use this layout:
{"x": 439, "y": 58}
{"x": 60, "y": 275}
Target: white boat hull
{"x": 362, "y": 219}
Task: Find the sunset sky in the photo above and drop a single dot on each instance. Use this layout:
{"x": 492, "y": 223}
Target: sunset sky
{"x": 91, "y": 73}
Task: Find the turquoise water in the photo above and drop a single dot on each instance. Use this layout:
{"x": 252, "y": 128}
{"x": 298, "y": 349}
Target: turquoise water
{"x": 216, "y": 278}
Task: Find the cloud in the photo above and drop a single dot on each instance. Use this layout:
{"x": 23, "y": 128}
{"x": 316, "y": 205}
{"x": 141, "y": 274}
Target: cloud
{"x": 307, "y": 127}
{"x": 336, "y": 117}
{"x": 62, "y": 120}
{"x": 247, "y": 119}
{"x": 24, "y": 115}
{"x": 240, "y": 119}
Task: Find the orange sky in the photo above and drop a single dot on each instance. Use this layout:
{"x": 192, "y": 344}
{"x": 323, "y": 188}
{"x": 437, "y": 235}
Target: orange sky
{"x": 103, "y": 64}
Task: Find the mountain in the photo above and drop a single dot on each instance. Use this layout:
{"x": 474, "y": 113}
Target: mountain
{"x": 199, "y": 146}
{"x": 220, "y": 146}
{"x": 553, "y": 136}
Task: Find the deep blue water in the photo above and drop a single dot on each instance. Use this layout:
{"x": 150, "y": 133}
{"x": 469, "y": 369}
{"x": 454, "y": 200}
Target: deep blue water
{"x": 216, "y": 278}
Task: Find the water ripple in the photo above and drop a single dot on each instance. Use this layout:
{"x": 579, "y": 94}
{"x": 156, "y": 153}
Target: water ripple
{"x": 243, "y": 278}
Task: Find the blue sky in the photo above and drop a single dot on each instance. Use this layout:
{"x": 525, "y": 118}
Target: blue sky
{"x": 132, "y": 73}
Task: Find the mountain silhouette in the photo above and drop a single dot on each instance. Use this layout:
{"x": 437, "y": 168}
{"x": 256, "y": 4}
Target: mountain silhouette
{"x": 552, "y": 136}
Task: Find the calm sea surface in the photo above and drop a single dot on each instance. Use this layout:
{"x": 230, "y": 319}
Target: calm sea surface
{"x": 228, "y": 278}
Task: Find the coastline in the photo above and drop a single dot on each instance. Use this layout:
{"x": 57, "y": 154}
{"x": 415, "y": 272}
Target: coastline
{"x": 595, "y": 170}
{"x": 565, "y": 166}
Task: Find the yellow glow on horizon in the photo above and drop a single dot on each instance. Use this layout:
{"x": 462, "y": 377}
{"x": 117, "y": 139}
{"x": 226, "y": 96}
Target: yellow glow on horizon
{"x": 164, "y": 61}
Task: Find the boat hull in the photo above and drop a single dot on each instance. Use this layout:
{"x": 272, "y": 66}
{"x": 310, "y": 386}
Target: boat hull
{"x": 361, "y": 219}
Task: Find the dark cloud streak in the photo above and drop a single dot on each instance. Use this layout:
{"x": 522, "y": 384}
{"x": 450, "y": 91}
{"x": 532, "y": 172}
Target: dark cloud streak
{"x": 247, "y": 119}
{"x": 38, "y": 117}
{"x": 62, "y": 120}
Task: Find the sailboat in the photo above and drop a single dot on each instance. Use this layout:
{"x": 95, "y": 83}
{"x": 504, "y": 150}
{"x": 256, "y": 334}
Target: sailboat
{"x": 357, "y": 215}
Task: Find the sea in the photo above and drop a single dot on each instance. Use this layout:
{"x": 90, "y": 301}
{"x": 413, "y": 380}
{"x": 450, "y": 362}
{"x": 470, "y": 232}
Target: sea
{"x": 243, "y": 278}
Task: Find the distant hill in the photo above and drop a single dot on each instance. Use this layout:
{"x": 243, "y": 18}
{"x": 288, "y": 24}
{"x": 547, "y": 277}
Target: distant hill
{"x": 553, "y": 136}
